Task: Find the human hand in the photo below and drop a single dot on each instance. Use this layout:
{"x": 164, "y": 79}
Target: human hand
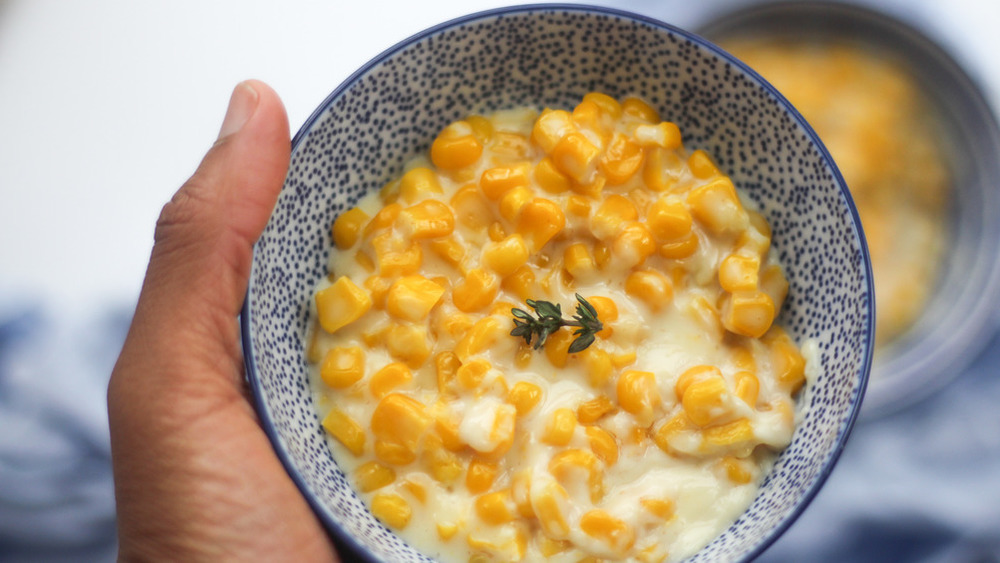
{"x": 195, "y": 476}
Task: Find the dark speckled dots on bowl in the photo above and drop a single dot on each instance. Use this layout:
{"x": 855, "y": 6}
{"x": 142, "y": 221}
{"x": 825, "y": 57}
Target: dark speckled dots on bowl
{"x": 389, "y": 111}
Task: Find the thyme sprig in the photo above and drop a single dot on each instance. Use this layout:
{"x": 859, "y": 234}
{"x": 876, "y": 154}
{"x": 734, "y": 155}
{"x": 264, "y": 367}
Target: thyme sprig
{"x": 549, "y": 319}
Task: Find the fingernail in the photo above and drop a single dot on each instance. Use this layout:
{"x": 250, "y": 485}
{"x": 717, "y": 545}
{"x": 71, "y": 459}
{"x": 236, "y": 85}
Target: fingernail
{"x": 241, "y": 106}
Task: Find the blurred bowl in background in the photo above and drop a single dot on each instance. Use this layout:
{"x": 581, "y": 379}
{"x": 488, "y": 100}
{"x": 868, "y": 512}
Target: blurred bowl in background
{"x": 804, "y": 49}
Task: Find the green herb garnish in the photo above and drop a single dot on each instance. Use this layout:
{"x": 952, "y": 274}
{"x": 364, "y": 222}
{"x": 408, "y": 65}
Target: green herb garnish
{"x": 549, "y": 320}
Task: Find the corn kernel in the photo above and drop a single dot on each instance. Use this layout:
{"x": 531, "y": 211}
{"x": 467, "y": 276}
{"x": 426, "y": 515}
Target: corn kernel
{"x": 704, "y": 399}
{"x": 633, "y": 244}
{"x": 502, "y": 432}
{"x": 395, "y": 256}
{"x": 738, "y": 272}
{"x": 717, "y": 206}
{"x": 384, "y": 219}
{"x": 664, "y": 134}
{"x": 520, "y": 492}
{"x": 621, "y": 160}
{"x": 702, "y": 166}
{"x": 347, "y": 227}
{"x": 576, "y": 465}
{"x": 550, "y": 505}
{"x": 623, "y": 359}
{"x": 388, "y": 378}
{"x": 661, "y": 508}
{"x": 446, "y": 429}
{"x": 747, "y": 387}
{"x": 471, "y": 374}
{"x": 346, "y": 430}
{"x": 496, "y": 182}
{"x": 600, "y": 525}
{"x": 401, "y": 420}
{"x": 693, "y": 374}
{"x": 560, "y": 427}
{"x": 471, "y": 209}
{"x": 341, "y": 304}
{"x": 757, "y": 238}
{"x": 428, "y": 219}
{"x": 593, "y": 410}
{"x": 748, "y": 313}
{"x": 456, "y": 147}
{"x": 478, "y": 338}
{"x": 603, "y": 444}
{"x": 640, "y": 109}
{"x": 786, "y": 359}
{"x": 549, "y": 547}
{"x": 674, "y": 426}
{"x": 774, "y": 284}
{"x": 681, "y": 248}
{"x": 373, "y": 475}
{"x": 550, "y": 128}
{"x": 663, "y": 169}
{"x": 575, "y": 156}
{"x": 481, "y": 126}
{"x": 365, "y": 261}
{"x": 607, "y": 313}
{"x": 598, "y": 364}
{"x": 509, "y": 146}
{"x": 513, "y": 201}
{"x": 521, "y": 283}
{"x": 612, "y": 215}
{"x": 578, "y": 205}
{"x": 391, "y": 509}
{"x": 444, "y": 466}
{"x": 449, "y": 250}
{"x": 738, "y": 470}
{"x": 446, "y": 530}
{"x": 651, "y": 287}
{"x": 495, "y": 508}
{"x": 480, "y": 476}
{"x": 476, "y": 291}
{"x": 540, "y": 220}
{"x": 550, "y": 178}
{"x": 393, "y": 453}
{"x": 496, "y": 231}
{"x": 608, "y": 105}
{"x": 418, "y": 183}
{"x": 557, "y": 346}
{"x": 668, "y": 219}
{"x": 588, "y": 116}
{"x": 412, "y": 297}
{"x": 524, "y": 396}
{"x": 638, "y": 394}
{"x": 737, "y": 432}
{"x": 578, "y": 261}
{"x": 343, "y": 366}
{"x": 408, "y": 344}
{"x": 506, "y": 256}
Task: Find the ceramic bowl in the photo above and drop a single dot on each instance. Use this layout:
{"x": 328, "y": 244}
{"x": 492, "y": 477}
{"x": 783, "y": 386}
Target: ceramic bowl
{"x": 390, "y": 110}
{"x": 961, "y": 316}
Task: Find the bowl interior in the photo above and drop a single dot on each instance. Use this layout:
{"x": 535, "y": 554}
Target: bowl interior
{"x": 960, "y": 317}
{"x": 390, "y": 110}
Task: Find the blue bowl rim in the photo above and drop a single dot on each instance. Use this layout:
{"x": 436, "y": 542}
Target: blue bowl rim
{"x": 346, "y": 539}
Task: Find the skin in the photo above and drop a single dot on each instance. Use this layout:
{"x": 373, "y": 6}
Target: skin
{"x": 196, "y": 478}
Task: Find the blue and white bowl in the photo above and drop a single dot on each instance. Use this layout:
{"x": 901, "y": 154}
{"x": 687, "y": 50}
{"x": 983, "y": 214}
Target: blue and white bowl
{"x": 390, "y": 110}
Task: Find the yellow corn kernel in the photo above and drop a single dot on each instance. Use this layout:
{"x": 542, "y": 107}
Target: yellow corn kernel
{"x": 550, "y": 178}
{"x": 702, "y": 165}
{"x": 479, "y": 337}
{"x": 495, "y": 508}
{"x": 524, "y": 396}
{"x": 384, "y": 219}
{"x": 748, "y": 313}
{"x": 510, "y": 146}
{"x": 618, "y": 535}
{"x": 603, "y": 444}
{"x": 608, "y": 105}
{"x": 612, "y": 215}
{"x": 471, "y": 208}
{"x": 588, "y": 116}
{"x": 651, "y": 287}
{"x": 496, "y": 231}
{"x": 593, "y": 410}
{"x": 787, "y": 361}
{"x": 476, "y": 291}
{"x": 408, "y": 344}
{"x": 640, "y": 109}
{"x": 502, "y": 433}
{"x": 549, "y": 547}
{"x": 456, "y": 147}
{"x": 560, "y": 427}
{"x": 557, "y": 346}
{"x": 470, "y": 374}
{"x": 520, "y": 492}
{"x": 633, "y": 244}
{"x": 638, "y": 394}
{"x": 664, "y": 134}
{"x": 737, "y": 432}
{"x": 738, "y": 470}
{"x": 513, "y": 201}
{"x": 506, "y": 256}
{"x": 576, "y": 465}
{"x": 521, "y": 283}
{"x": 395, "y": 256}
{"x": 446, "y": 429}
{"x": 738, "y": 272}
{"x": 693, "y": 374}
{"x": 668, "y": 219}
{"x": 681, "y": 248}
{"x": 621, "y": 160}
{"x": 373, "y": 475}
{"x": 539, "y": 221}
{"x": 578, "y": 261}
{"x": 412, "y": 297}
{"x": 480, "y": 476}
{"x": 446, "y": 366}
{"x": 757, "y": 238}
{"x": 388, "y": 378}
{"x": 341, "y": 304}
{"x": 346, "y": 430}
{"x": 672, "y": 427}
{"x": 578, "y": 205}
{"x": 418, "y": 183}
{"x": 774, "y": 284}
{"x": 444, "y": 466}
{"x": 598, "y": 364}
{"x": 343, "y": 366}
{"x": 449, "y": 250}
{"x": 661, "y": 508}
{"x": 400, "y": 420}
{"x": 623, "y": 359}
{"x": 704, "y": 399}
{"x": 495, "y": 182}
{"x": 550, "y": 506}
{"x": 607, "y": 313}
{"x": 365, "y": 261}
{"x": 446, "y": 530}
{"x": 747, "y": 387}
{"x": 481, "y": 126}
{"x": 428, "y": 219}
{"x": 551, "y": 127}
{"x": 389, "y": 192}
{"x": 393, "y": 453}
{"x": 347, "y": 227}
{"x": 663, "y": 169}
{"x": 575, "y": 156}
{"x": 716, "y": 206}
{"x": 378, "y": 288}
{"x": 391, "y": 509}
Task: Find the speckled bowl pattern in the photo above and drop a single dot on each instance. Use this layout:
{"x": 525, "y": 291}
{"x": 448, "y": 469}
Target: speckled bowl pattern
{"x": 961, "y": 316}
{"x": 390, "y": 110}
